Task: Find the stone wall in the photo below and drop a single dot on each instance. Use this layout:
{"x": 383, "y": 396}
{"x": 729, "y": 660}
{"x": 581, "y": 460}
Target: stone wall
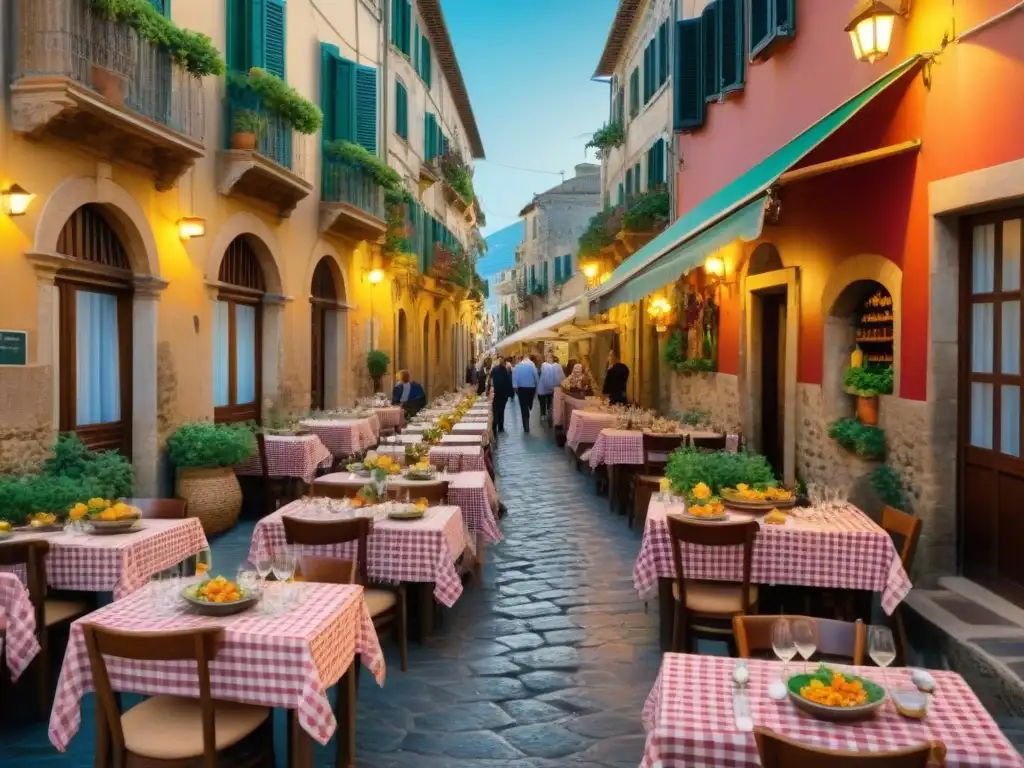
{"x": 26, "y": 417}
{"x": 713, "y": 393}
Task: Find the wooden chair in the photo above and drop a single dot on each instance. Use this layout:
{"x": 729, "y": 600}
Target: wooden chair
{"x": 434, "y": 493}
{"x": 161, "y": 509}
{"x": 708, "y": 607}
{"x": 49, "y": 613}
{"x": 646, "y": 487}
{"x": 898, "y": 523}
{"x": 327, "y": 570}
{"x": 387, "y": 608}
{"x": 657, "y": 449}
{"x": 837, "y": 640}
{"x": 709, "y": 443}
{"x": 174, "y": 730}
{"x": 276, "y": 490}
{"x": 335, "y": 490}
{"x": 778, "y": 751}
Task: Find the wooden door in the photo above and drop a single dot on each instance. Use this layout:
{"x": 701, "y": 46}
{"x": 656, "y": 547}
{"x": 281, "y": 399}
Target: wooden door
{"x": 991, "y": 471}
{"x": 318, "y": 356}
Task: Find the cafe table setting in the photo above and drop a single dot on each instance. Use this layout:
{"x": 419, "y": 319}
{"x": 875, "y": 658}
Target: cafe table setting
{"x": 585, "y": 427}
{"x": 626, "y": 446}
{"x": 454, "y": 458}
{"x": 703, "y": 710}
{"x": 344, "y": 436}
{"x": 284, "y": 655}
{"x": 299, "y": 456}
{"x": 412, "y": 438}
{"x": 18, "y": 642}
{"x": 390, "y": 416}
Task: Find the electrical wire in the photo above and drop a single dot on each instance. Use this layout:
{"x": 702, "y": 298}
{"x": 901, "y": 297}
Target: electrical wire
{"x": 520, "y": 168}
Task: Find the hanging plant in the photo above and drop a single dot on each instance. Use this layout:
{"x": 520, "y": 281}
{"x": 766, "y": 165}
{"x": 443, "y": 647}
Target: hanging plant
{"x": 279, "y": 99}
{"x": 596, "y": 235}
{"x": 457, "y": 174}
{"x": 358, "y": 157}
{"x": 864, "y": 440}
{"x": 648, "y": 211}
{"x": 889, "y": 486}
{"x": 607, "y": 137}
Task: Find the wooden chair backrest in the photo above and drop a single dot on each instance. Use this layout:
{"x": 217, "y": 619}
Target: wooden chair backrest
{"x": 30, "y": 555}
{"x": 716, "y": 443}
{"x": 835, "y": 638}
{"x": 329, "y": 532}
{"x": 660, "y": 444}
{"x": 335, "y": 490}
{"x": 198, "y": 645}
{"x": 161, "y": 509}
{"x": 778, "y": 751}
{"x": 434, "y": 493}
{"x": 897, "y": 522}
{"x": 261, "y": 444}
{"x": 327, "y": 570}
{"x": 682, "y": 531}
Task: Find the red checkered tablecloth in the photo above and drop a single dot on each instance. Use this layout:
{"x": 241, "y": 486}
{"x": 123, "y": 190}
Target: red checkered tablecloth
{"x": 846, "y": 551}
{"x": 690, "y": 722}
{"x": 411, "y": 438}
{"x": 626, "y": 446}
{"x": 586, "y": 426}
{"x": 17, "y": 625}
{"x": 118, "y": 564}
{"x": 392, "y": 416}
{"x": 345, "y": 437}
{"x": 286, "y": 661}
{"x": 456, "y": 458}
{"x": 563, "y": 405}
{"x": 399, "y": 551}
{"x": 290, "y": 456}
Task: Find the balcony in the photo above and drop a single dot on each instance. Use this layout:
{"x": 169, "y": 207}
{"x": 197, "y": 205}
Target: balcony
{"x": 95, "y": 84}
{"x": 273, "y": 172}
{"x": 351, "y": 203}
{"x": 505, "y": 282}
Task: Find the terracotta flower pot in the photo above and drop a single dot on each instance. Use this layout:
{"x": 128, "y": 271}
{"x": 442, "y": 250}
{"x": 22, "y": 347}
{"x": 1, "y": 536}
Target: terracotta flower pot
{"x": 245, "y": 140}
{"x": 108, "y": 84}
{"x": 867, "y": 410}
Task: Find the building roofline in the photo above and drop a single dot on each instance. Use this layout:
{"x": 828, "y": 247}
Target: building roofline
{"x": 618, "y": 35}
{"x": 430, "y": 10}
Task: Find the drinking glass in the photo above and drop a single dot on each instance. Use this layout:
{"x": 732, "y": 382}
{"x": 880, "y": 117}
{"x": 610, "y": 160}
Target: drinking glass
{"x": 204, "y": 563}
{"x": 264, "y": 563}
{"x": 805, "y": 636}
{"x": 247, "y": 577}
{"x": 783, "y": 644}
{"x": 881, "y": 649}
{"x": 284, "y": 565}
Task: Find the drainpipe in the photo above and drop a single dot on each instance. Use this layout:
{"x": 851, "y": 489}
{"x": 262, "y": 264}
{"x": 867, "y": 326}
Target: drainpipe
{"x": 382, "y": 129}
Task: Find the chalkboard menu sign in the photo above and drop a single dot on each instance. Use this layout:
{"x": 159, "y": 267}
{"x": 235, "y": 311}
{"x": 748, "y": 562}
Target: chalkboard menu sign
{"x": 13, "y": 348}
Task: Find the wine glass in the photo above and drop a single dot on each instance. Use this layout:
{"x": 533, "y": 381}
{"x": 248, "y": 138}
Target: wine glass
{"x": 805, "y": 636}
{"x": 284, "y": 565}
{"x": 783, "y": 644}
{"x": 247, "y": 577}
{"x": 881, "y": 648}
{"x": 263, "y": 563}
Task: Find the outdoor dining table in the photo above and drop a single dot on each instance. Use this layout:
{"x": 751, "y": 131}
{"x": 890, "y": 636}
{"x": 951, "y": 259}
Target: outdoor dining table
{"x": 298, "y": 456}
{"x": 417, "y": 552}
{"x": 585, "y": 427}
{"x": 390, "y": 416}
{"x": 345, "y": 437}
{"x": 18, "y": 642}
{"x": 286, "y": 661}
{"x": 563, "y": 405}
{"x": 119, "y": 564}
{"x": 411, "y": 438}
{"x": 455, "y": 458}
{"x": 689, "y": 718}
{"x": 832, "y": 549}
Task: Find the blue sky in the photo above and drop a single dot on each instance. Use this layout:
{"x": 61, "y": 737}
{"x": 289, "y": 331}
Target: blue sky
{"x": 527, "y": 65}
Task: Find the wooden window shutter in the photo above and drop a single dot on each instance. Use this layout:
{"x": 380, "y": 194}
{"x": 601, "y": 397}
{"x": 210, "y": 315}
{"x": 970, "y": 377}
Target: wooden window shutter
{"x": 784, "y": 20}
{"x": 238, "y": 53}
{"x": 650, "y": 166}
{"x": 662, "y": 54}
{"x": 366, "y": 108}
{"x": 620, "y": 105}
{"x": 621, "y": 195}
{"x": 401, "y": 111}
{"x": 416, "y": 48}
{"x": 709, "y": 34}
{"x": 770, "y": 20}
{"x": 731, "y": 58}
{"x": 344, "y": 107}
{"x": 274, "y": 35}
{"x": 533, "y": 276}
{"x": 425, "y": 64}
{"x": 328, "y": 88}
{"x": 558, "y": 269}
{"x": 688, "y": 79}
{"x": 637, "y": 177}
{"x": 634, "y": 92}
{"x": 567, "y": 267}
{"x": 629, "y": 183}
{"x": 544, "y": 275}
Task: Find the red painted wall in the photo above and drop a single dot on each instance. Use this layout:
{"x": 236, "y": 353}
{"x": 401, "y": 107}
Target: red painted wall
{"x": 968, "y": 119}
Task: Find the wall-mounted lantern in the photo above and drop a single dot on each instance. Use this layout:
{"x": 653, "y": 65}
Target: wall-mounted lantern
{"x": 871, "y": 27}
{"x": 191, "y": 226}
{"x": 16, "y": 200}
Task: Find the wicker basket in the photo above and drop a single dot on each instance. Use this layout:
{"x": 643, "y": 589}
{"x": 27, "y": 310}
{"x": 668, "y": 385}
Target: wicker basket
{"x": 213, "y": 495}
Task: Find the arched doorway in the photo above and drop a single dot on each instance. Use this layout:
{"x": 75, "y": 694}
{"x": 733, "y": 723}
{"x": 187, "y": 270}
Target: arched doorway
{"x": 95, "y": 332}
{"x": 323, "y": 335}
{"x": 426, "y": 355}
{"x": 403, "y": 340}
{"x": 238, "y": 335}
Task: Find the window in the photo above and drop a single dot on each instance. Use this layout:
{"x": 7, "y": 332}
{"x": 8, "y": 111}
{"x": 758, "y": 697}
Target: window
{"x": 544, "y": 276}
{"x": 621, "y": 195}
{"x": 770, "y": 20}
{"x": 95, "y": 332}
{"x": 425, "y": 61}
{"x": 620, "y": 105}
{"x": 566, "y": 267}
{"x": 689, "y": 105}
{"x": 636, "y": 178}
{"x": 348, "y": 99}
{"x": 731, "y": 58}
{"x": 662, "y": 54}
{"x": 401, "y": 24}
{"x": 237, "y": 335}
{"x": 162, "y": 6}
{"x": 634, "y": 92}
{"x": 629, "y": 184}
{"x": 709, "y": 36}
{"x": 656, "y": 164}
{"x": 433, "y": 139}
{"x": 558, "y": 270}
{"x": 648, "y": 73}
{"x": 401, "y": 110}
{"x": 256, "y": 35}
{"x": 533, "y": 278}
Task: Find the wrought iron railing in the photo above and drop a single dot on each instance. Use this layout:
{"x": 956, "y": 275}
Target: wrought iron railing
{"x": 354, "y": 186}
{"x": 64, "y": 38}
{"x": 275, "y": 139}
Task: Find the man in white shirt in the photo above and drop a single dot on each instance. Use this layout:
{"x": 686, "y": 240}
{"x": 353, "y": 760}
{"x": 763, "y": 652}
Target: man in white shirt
{"x": 551, "y": 375}
{"x": 525, "y": 380}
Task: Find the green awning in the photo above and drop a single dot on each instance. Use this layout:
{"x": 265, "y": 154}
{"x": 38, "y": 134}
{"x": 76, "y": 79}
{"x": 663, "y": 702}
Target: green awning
{"x": 650, "y": 266}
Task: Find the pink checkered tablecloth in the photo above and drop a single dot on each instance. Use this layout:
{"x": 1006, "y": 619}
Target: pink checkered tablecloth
{"x": 399, "y": 551}
{"x": 390, "y": 417}
{"x": 456, "y": 458}
{"x": 345, "y": 437}
{"x": 286, "y": 661}
{"x": 411, "y": 438}
{"x": 17, "y": 625}
{"x": 846, "y": 551}
{"x": 626, "y": 446}
{"x": 563, "y": 405}
{"x": 118, "y": 564}
{"x": 472, "y": 492}
{"x": 290, "y": 456}
{"x": 586, "y": 426}
{"x": 690, "y": 722}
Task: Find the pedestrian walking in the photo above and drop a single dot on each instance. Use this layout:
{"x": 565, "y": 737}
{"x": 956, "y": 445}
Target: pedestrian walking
{"x": 551, "y": 375}
{"x": 501, "y": 385}
{"x": 525, "y": 380}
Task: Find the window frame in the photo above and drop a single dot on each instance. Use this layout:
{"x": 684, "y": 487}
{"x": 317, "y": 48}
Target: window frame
{"x": 235, "y": 412}
{"x": 689, "y": 88}
{"x": 401, "y": 110}
{"x": 710, "y": 52}
{"x": 780, "y": 25}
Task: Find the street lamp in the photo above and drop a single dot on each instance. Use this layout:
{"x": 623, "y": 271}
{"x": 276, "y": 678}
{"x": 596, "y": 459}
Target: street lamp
{"x": 871, "y": 27}
{"x": 715, "y": 266}
{"x": 191, "y": 226}
{"x": 375, "y": 276}
{"x": 16, "y": 200}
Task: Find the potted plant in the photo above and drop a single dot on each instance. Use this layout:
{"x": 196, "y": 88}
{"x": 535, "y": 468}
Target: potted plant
{"x": 246, "y": 127}
{"x": 205, "y": 455}
{"x": 867, "y": 383}
{"x": 377, "y": 362}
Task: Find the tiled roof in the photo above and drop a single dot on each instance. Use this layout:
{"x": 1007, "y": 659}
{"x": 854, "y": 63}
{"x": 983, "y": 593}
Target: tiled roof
{"x": 618, "y": 36}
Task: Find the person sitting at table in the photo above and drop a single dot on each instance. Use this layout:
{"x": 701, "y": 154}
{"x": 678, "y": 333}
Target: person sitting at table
{"x": 579, "y": 383}
{"x": 408, "y": 394}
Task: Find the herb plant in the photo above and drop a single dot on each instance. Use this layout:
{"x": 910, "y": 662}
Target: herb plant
{"x": 866, "y": 441}
{"x": 718, "y": 470}
{"x": 205, "y": 444}
{"x": 869, "y": 381}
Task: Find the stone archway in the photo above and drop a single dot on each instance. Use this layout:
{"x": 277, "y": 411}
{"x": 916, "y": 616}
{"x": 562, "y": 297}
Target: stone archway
{"x": 326, "y": 342}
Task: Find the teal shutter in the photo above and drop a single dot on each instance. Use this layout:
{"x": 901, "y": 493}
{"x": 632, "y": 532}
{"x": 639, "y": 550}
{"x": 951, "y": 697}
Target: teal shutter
{"x": 620, "y": 105}
{"x": 274, "y": 35}
{"x": 431, "y": 149}
{"x": 558, "y": 270}
{"x": 544, "y": 276}
{"x": 709, "y": 34}
{"x": 637, "y": 177}
{"x": 650, "y": 166}
{"x": 783, "y": 22}
{"x": 416, "y": 47}
{"x": 401, "y": 111}
{"x": 688, "y": 80}
{"x": 769, "y": 21}
{"x": 366, "y": 108}
{"x": 629, "y": 183}
{"x": 426, "y": 63}
{"x": 257, "y": 38}
{"x": 731, "y": 54}
{"x": 662, "y": 53}
{"x": 533, "y": 278}
{"x": 634, "y": 92}
{"x": 163, "y": 7}
{"x": 237, "y": 43}
{"x": 567, "y": 266}
{"x": 344, "y": 99}
{"x": 621, "y": 196}
{"x": 328, "y": 86}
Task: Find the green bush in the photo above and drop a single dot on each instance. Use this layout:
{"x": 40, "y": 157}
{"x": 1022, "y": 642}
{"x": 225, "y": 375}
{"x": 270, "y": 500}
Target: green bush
{"x": 193, "y": 51}
{"x": 356, "y": 156}
{"x": 647, "y": 211}
{"x": 869, "y": 381}
{"x": 247, "y": 121}
{"x": 889, "y": 486}
{"x": 377, "y": 362}
{"x": 866, "y": 441}
{"x": 280, "y": 99}
{"x": 717, "y": 469}
{"x": 72, "y": 460}
{"x": 459, "y": 178}
{"x": 596, "y": 235}
{"x": 607, "y": 137}
{"x": 205, "y": 444}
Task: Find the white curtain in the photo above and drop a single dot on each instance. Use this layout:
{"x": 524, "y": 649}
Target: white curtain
{"x": 221, "y": 396}
{"x": 245, "y": 353}
{"x": 98, "y": 365}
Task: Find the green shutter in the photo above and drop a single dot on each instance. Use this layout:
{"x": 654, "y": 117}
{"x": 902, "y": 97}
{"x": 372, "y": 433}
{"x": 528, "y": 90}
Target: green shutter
{"x": 662, "y": 54}
{"x": 620, "y": 106}
{"x": 760, "y": 35}
{"x": 629, "y": 183}
{"x": 401, "y": 111}
{"x": 567, "y": 266}
{"x": 533, "y": 277}
{"x": 416, "y": 47}
{"x": 634, "y": 92}
{"x": 650, "y": 166}
{"x": 558, "y": 270}
{"x": 257, "y": 47}
{"x": 709, "y": 34}
{"x": 431, "y": 137}
{"x": 401, "y": 21}
{"x": 621, "y": 196}
{"x": 328, "y": 86}
{"x": 689, "y": 76}
{"x": 162, "y": 7}
{"x": 237, "y": 42}
{"x": 637, "y": 177}
{"x": 544, "y": 274}
{"x": 784, "y": 21}
{"x": 274, "y": 36}
{"x": 366, "y": 108}
{"x": 731, "y": 54}
{"x": 426, "y": 63}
